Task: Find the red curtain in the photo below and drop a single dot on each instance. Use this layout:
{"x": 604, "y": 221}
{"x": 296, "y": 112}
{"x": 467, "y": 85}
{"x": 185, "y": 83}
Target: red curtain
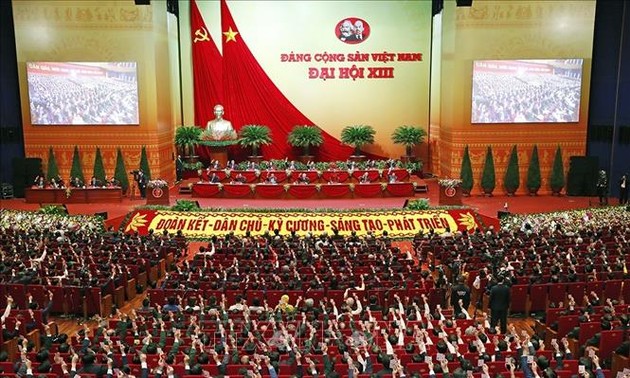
{"x": 368, "y": 190}
{"x": 302, "y": 191}
{"x": 207, "y": 68}
{"x": 207, "y": 73}
{"x": 250, "y": 97}
{"x": 205, "y": 190}
{"x": 237, "y": 190}
{"x": 402, "y": 189}
{"x": 270, "y": 191}
{"x": 335, "y": 190}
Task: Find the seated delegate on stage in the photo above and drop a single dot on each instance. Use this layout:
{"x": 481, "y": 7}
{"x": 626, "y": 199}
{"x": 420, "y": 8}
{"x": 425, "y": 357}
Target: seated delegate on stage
{"x": 239, "y": 179}
{"x": 220, "y": 129}
{"x": 76, "y": 182}
{"x": 40, "y": 181}
{"x": 57, "y": 183}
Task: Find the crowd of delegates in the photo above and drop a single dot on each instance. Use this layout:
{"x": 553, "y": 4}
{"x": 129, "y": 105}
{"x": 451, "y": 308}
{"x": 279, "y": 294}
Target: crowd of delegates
{"x": 525, "y": 98}
{"x": 201, "y": 330}
{"x": 60, "y": 100}
{"x": 60, "y": 250}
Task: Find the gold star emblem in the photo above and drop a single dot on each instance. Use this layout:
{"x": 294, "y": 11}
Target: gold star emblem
{"x": 230, "y": 35}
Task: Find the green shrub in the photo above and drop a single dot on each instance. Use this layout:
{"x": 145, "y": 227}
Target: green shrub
{"x": 512, "y": 178}
{"x": 533, "y": 172}
{"x": 466, "y": 173}
{"x": 53, "y": 169}
{"x": 488, "y": 179}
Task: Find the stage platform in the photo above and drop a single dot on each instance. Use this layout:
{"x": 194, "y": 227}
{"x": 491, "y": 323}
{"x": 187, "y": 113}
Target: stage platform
{"x": 486, "y": 206}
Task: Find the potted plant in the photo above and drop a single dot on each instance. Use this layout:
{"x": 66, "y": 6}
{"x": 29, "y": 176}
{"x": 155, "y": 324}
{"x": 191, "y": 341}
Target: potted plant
{"x": 186, "y": 138}
{"x": 557, "y": 174}
{"x": 408, "y": 136}
{"x": 466, "y": 174}
{"x": 305, "y": 137}
{"x": 357, "y": 136}
{"x": 255, "y": 136}
{"x": 533, "y": 173}
{"x": 512, "y": 181}
{"x": 488, "y": 181}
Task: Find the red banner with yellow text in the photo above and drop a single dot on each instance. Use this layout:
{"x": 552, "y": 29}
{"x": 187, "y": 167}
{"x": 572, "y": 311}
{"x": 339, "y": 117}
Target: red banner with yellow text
{"x": 207, "y": 224}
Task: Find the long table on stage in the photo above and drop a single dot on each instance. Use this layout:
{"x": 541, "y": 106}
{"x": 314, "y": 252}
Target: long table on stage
{"x": 303, "y": 191}
{"x": 76, "y": 195}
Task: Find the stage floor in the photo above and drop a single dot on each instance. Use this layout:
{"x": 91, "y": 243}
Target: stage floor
{"x": 487, "y": 206}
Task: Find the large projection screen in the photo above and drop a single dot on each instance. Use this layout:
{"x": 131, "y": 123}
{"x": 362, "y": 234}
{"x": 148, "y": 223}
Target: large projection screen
{"x": 526, "y": 91}
{"x": 83, "y": 93}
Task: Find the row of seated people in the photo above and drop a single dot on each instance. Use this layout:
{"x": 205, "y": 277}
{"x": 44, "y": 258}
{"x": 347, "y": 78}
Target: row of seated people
{"x": 173, "y": 340}
{"x": 303, "y": 177}
{"x": 286, "y": 165}
{"x": 292, "y": 263}
{"x": 71, "y": 261}
{"x": 58, "y": 182}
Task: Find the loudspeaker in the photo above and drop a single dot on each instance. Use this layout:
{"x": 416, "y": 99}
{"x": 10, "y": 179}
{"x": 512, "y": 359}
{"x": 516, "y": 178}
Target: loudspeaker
{"x": 502, "y": 214}
{"x": 142, "y": 2}
{"x": 102, "y": 214}
{"x": 464, "y": 3}
{"x": 24, "y": 172}
{"x": 582, "y": 177}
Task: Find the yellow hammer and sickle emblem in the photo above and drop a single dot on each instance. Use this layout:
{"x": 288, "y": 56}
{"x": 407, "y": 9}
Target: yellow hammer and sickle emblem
{"x": 201, "y": 35}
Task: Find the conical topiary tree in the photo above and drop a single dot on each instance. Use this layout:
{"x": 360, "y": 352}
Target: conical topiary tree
{"x": 533, "y": 173}
{"x": 77, "y": 169}
{"x": 466, "y": 173}
{"x": 53, "y": 169}
{"x": 556, "y": 182}
{"x": 120, "y": 174}
{"x": 512, "y": 179}
{"x": 144, "y": 163}
{"x": 99, "y": 168}
{"x": 488, "y": 179}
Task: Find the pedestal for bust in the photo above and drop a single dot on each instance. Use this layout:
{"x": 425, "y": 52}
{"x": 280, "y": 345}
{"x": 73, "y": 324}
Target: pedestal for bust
{"x": 218, "y": 149}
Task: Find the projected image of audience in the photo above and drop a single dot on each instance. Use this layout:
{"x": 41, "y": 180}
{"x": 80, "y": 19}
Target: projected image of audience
{"x": 526, "y": 91}
{"x": 101, "y": 93}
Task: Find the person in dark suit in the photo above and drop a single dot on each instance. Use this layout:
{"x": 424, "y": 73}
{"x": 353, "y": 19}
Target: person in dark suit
{"x": 141, "y": 179}
{"x": 623, "y": 190}
{"x": 460, "y": 292}
{"x": 602, "y": 188}
{"x": 179, "y": 168}
{"x": 499, "y": 305}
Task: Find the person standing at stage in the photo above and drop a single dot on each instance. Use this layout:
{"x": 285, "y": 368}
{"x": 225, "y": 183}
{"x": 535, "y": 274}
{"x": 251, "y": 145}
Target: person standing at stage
{"x": 141, "y": 179}
{"x": 623, "y": 190}
{"x": 602, "y": 187}
{"x": 499, "y": 305}
{"x": 179, "y": 168}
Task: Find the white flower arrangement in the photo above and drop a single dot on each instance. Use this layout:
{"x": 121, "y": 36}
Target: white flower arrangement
{"x": 450, "y": 183}
{"x": 158, "y": 183}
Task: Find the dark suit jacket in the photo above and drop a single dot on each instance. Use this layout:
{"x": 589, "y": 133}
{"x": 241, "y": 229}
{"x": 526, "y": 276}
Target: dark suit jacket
{"x": 499, "y": 297}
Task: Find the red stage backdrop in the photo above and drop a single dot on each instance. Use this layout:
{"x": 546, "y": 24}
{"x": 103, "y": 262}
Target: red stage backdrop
{"x": 329, "y": 64}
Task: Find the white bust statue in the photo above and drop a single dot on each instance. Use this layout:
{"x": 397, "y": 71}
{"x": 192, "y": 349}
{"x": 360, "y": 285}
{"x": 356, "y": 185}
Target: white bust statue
{"x": 221, "y": 129}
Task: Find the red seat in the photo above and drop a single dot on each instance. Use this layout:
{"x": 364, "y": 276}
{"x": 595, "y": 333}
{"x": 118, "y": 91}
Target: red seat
{"x": 576, "y": 289}
{"x": 566, "y": 323}
{"x": 538, "y": 298}
{"x": 588, "y": 330}
{"x": 608, "y": 342}
{"x": 612, "y": 289}
{"x": 557, "y": 292}
{"x": 519, "y": 299}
